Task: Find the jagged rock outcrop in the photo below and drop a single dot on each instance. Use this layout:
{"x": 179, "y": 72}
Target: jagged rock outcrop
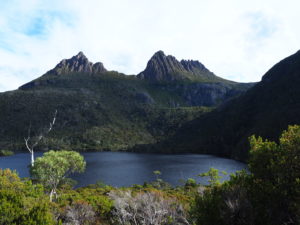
{"x": 161, "y": 67}
{"x": 78, "y": 63}
{"x": 166, "y": 68}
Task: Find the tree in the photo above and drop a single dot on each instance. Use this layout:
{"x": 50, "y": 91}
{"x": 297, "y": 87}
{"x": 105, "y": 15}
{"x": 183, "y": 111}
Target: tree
{"x": 213, "y": 176}
{"x": 276, "y": 172}
{"x": 157, "y": 173}
{"x": 54, "y": 167}
{"x": 32, "y": 142}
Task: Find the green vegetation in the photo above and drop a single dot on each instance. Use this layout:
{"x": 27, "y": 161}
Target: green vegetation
{"x": 97, "y": 112}
{"x": 6, "y": 153}
{"x": 53, "y": 169}
{"x": 266, "y": 194}
{"x": 22, "y": 202}
{"x": 213, "y": 176}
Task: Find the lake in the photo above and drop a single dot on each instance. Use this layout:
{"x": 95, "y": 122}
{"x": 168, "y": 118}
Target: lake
{"x": 125, "y": 169}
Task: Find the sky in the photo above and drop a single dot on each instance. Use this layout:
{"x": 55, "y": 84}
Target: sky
{"x": 236, "y": 39}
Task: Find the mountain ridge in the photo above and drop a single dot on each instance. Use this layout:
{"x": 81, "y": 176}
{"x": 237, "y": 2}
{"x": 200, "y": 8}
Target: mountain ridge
{"x": 106, "y": 110}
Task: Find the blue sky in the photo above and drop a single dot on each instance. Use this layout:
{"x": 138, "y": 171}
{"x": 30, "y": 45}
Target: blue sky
{"x": 236, "y": 39}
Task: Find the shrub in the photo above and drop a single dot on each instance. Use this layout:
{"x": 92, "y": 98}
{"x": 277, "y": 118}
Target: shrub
{"x": 6, "y": 153}
{"x": 146, "y": 208}
{"x": 79, "y": 213}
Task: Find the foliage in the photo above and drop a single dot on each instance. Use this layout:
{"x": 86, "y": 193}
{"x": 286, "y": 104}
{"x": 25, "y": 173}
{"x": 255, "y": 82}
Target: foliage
{"x": 6, "y": 153}
{"x": 276, "y": 172}
{"x": 55, "y": 166}
{"x": 190, "y": 183}
{"x": 108, "y": 111}
{"x": 21, "y": 202}
{"x": 268, "y": 194}
{"x": 213, "y": 176}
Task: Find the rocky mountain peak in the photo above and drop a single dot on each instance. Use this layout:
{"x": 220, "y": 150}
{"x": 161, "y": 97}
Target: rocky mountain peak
{"x": 163, "y": 67}
{"x": 193, "y": 65}
{"x": 78, "y": 63}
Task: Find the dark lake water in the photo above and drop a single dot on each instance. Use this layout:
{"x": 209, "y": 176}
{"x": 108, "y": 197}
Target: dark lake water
{"x": 125, "y": 169}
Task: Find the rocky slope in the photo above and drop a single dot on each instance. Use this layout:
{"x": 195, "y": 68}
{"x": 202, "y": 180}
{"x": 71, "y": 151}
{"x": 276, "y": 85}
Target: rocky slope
{"x": 78, "y": 63}
{"x": 163, "y": 68}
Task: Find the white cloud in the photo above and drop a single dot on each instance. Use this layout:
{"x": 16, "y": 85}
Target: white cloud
{"x": 239, "y": 40}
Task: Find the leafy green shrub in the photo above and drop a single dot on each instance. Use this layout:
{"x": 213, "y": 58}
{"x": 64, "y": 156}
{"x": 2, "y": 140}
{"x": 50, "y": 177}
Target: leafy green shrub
{"x": 21, "y": 202}
{"x": 190, "y": 183}
{"x": 275, "y": 186}
{"x": 6, "y": 153}
{"x": 269, "y": 194}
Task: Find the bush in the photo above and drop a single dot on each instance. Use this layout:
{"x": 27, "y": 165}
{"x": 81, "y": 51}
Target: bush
{"x": 6, "y": 153}
{"x": 269, "y": 194}
{"x": 190, "y": 183}
{"x": 275, "y": 186}
{"x": 21, "y": 202}
{"x": 79, "y": 213}
{"x": 146, "y": 208}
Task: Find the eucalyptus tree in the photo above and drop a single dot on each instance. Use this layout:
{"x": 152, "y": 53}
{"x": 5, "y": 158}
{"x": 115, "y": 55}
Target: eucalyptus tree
{"x": 54, "y": 168}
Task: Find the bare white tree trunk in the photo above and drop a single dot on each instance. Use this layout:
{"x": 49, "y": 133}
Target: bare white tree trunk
{"x": 53, "y": 193}
{"x": 29, "y": 146}
{"x": 30, "y": 149}
{"x": 32, "y": 158}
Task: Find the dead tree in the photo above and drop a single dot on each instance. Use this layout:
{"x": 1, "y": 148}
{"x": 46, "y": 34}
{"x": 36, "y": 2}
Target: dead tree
{"x": 32, "y": 142}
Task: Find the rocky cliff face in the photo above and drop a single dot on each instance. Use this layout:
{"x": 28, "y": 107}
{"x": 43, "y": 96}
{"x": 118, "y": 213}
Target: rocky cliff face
{"x": 78, "y": 63}
{"x": 163, "y": 68}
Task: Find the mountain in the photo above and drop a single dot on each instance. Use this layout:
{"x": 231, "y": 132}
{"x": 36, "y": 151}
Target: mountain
{"x": 265, "y": 110}
{"x": 162, "y": 68}
{"x": 78, "y": 63}
{"x": 107, "y": 110}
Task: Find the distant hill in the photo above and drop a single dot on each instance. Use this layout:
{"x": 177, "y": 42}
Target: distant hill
{"x": 107, "y": 110}
{"x": 266, "y": 110}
